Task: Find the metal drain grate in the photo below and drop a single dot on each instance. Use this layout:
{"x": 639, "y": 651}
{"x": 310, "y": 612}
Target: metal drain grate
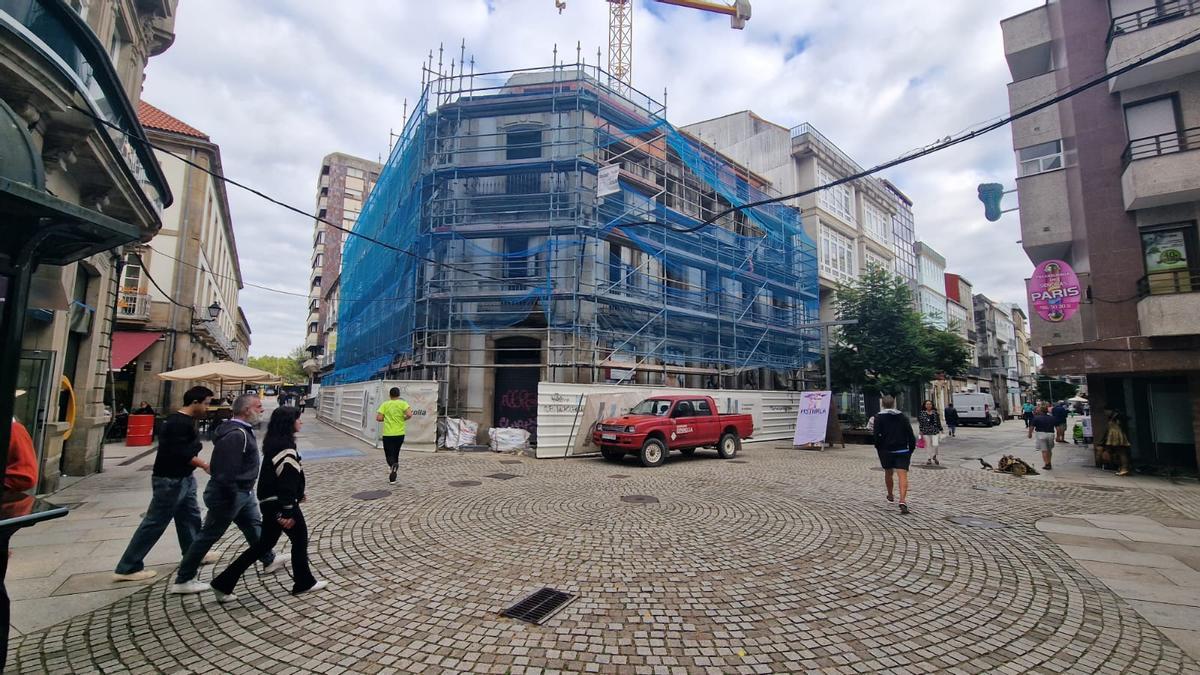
{"x": 465, "y": 483}
{"x": 501, "y": 476}
{"x": 619, "y": 475}
{"x": 640, "y": 499}
{"x": 972, "y": 521}
{"x": 539, "y": 606}
{"x": 371, "y": 494}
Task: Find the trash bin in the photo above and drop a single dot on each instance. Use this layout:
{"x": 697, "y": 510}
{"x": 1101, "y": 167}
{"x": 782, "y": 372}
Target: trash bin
{"x": 141, "y": 430}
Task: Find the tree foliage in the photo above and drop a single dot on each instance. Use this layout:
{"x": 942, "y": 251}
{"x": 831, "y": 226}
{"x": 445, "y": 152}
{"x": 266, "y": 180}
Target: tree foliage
{"x": 889, "y": 348}
{"x": 1050, "y": 389}
{"x": 287, "y": 367}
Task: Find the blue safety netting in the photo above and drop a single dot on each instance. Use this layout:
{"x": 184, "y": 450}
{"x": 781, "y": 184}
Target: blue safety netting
{"x": 498, "y": 230}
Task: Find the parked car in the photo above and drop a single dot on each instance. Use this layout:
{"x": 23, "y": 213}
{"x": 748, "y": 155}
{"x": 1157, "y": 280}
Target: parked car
{"x": 976, "y": 409}
{"x": 656, "y": 426}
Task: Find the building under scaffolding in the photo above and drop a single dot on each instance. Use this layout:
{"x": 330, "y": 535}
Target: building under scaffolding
{"x": 496, "y": 264}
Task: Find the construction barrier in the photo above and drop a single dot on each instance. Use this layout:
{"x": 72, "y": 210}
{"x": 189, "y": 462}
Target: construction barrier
{"x": 351, "y": 408}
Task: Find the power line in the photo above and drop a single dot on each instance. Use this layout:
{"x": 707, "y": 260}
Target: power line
{"x": 146, "y": 271}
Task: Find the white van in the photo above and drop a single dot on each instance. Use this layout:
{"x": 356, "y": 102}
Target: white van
{"x": 975, "y": 409}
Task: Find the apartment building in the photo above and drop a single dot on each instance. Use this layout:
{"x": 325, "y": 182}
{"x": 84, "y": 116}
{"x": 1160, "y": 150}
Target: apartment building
{"x": 1026, "y": 373}
{"x": 996, "y": 350}
{"x": 179, "y": 293}
{"x": 75, "y": 191}
{"x": 1109, "y": 187}
{"x": 904, "y": 235}
{"x": 343, "y": 186}
{"x": 854, "y": 224}
{"x": 960, "y": 308}
{"x": 930, "y": 294}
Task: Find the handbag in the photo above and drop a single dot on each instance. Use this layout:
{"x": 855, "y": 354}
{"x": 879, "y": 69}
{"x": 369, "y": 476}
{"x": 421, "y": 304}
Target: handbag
{"x": 921, "y": 442}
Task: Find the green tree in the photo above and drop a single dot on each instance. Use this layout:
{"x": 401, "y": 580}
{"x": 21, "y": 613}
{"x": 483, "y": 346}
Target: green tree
{"x": 287, "y": 367}
{"x": 948, "y": 351}
{"x": 1051, "y": 389}
{"x": 886, "y": 350}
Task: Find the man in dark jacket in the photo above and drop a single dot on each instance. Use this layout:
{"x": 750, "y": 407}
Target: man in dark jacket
{"x": 174, "y": 496}
{"x": 230, "y": 494}
{"x": 1060, "y": 414}
{"x": 951, "y": 417}
{"x": 895, "y": 443}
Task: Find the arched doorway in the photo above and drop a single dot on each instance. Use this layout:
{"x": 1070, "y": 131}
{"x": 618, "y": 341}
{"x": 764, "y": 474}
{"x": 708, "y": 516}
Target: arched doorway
{"x": 515, "y": 400}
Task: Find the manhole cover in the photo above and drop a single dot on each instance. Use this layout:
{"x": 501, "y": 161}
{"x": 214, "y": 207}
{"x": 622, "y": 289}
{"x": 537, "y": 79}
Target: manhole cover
{"x": 930, "y": 466}
{"x": 539, "y": 606}
{"x": 500, "y": 476}
{"x": 738, "y": 461}
{"x": 464, "y": 483}
{"x": 511, "y": 461}
{"x": 992, "y": 488}
{"x": 639, "y": 499}
{"x": 1102, "y": 488}
{"x": 972, "y": 521}
{"x": 618, "y": 475}
{"x": 371, "y": 494}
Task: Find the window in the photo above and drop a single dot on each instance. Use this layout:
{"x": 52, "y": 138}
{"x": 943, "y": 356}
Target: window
{"x": 319, "y": 260}
{"x": 131, "y": 276}
{"x": 1153, "y": 127}
{"x": 1170, "y": 256}
{"x": 872, "y": 259}
{"x": 837, "y": 255}
{"x": 615, "y": 267}
{"x": 312, "y": 328}
{"x": 353, "y": 173}
{"x": 320, "y": 237}
{"x": 877, "y": 225}
{"x": 1040, "y": 158}
{"x": 838, "y": 200}
{"x": 523, "y": 144}
{"x": 516, "y": 254}
{"x": 701, "y": 407}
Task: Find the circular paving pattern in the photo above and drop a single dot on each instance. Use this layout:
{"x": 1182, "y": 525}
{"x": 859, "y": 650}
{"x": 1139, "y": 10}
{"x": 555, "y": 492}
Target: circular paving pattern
{"x": 793, "y": 563}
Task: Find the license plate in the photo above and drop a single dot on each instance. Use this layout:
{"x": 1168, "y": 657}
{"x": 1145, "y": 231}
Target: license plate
{"x": 608, "y": 437}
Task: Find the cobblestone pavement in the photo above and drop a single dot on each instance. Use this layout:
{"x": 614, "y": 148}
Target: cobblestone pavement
{"x": 783, "y": 561}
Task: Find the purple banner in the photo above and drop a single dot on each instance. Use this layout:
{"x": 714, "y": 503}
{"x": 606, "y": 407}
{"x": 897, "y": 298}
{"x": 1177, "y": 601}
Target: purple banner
{"x": 1054, "y": 291}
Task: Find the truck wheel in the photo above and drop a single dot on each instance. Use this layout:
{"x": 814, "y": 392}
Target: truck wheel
{"x": 729, "y": 446}
{"x": 688, "y": 452}
{"x": 653, "y": 453}
{"x": 612, "y": 454}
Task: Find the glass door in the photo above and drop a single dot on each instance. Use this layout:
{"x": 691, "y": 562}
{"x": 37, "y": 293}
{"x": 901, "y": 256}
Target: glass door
{"x": 34, "y": 377}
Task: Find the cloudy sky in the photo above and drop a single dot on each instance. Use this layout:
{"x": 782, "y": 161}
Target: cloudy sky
{"x": 279, "y": 84}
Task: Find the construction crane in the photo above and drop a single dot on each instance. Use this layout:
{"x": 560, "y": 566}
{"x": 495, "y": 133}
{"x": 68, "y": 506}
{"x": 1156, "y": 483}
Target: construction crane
{"x": 620, "y": 28}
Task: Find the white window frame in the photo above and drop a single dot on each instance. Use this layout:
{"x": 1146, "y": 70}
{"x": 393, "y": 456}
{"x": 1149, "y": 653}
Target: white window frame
{"x": 838, "y": 254}
{"x": 878, "y": 226}
{"x": 837, "y": 200}
{"x": 1033, "y": 164}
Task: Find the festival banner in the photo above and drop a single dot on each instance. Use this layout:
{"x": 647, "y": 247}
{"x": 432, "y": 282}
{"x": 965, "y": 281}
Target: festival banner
{"x": 812, "y": 418}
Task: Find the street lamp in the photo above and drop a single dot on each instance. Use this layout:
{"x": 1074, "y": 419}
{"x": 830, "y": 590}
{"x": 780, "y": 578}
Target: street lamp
{"x": 214, "y": 311}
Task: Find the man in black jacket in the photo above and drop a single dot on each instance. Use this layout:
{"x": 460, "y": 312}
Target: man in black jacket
{"x": 174, "y": 496}
{"x": 230, "y": 494}
{"x": 895, "y": 443}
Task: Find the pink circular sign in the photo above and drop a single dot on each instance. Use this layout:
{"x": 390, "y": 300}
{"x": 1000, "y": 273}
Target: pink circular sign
{"x": 1054, "y": 291}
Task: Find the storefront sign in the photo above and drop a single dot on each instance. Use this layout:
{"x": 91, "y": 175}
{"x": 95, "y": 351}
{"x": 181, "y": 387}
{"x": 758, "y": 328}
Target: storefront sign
{"x": 1054, "y": 291}
{"x": 812, "y": 418}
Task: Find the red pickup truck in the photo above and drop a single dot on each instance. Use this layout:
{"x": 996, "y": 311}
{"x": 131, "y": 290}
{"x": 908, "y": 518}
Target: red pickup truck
{"x": 656, "y": 426}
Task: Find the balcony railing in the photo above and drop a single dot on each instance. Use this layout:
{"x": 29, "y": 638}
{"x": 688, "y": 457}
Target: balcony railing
{"x": 51, "y": 24}
{"x": 1186, "y": 280}
{"x": 1145, "y": 18}
{"x": 1162, "y": 144}
{"x": 133, "y": 306}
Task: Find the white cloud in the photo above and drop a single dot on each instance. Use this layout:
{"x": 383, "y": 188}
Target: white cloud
{"x": 280, "y": 85}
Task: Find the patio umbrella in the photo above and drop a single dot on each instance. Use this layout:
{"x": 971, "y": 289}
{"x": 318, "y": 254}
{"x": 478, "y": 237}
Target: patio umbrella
{"x": 223, "y": 373}
{"x": 1077, "y": 399}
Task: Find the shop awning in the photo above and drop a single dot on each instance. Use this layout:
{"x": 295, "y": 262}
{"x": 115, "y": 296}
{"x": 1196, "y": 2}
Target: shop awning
{"x": 127, "y": 345}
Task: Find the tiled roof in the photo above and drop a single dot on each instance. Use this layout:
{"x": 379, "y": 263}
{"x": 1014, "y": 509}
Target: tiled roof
{"x": 153, "y": 118}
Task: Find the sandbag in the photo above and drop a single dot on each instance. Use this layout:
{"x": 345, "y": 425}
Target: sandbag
{"x": 501, "y": 439}
{"x": 455, "y": 432}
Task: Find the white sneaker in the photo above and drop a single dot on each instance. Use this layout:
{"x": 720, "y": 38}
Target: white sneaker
{"x": 210, "y": 558}
{"x": 315, "y": 587}
{"x": 277, "y": 564}
{"x": 140, "y": 575}
{"x": 224, "y": 597}
{"x": 189, "y": 587}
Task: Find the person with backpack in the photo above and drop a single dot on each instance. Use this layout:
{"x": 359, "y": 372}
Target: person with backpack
{"x": 281, "y": 488}
{"x": 895, "y": 443}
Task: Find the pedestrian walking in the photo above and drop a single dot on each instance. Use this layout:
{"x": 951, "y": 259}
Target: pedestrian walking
{"x": 951, "y": 420}
{"x": 394, "y": 413}
{"x": 931, "y": 430}
{"x": 895, "y": 444}
{"x": 1027, "y": 412}
{"x": 280, "y": 492}
{"x": 1041, "y": 429}
{"x": 229, "y": 495}
{"x": 173, "y": 485}
{"x": 1060, "y": 413}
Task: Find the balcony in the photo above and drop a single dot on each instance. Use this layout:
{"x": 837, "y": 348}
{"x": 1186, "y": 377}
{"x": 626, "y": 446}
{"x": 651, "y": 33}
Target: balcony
{"x": 133, "y": 307}
{"x": 1138, "y": 33}
{"x": 1045, "y": 214}
{"x": 1162, "y": 170}
{"x": 1170, "y": 302}
{"x": 214, "y": 338}
{"x": 1027, "y": 43}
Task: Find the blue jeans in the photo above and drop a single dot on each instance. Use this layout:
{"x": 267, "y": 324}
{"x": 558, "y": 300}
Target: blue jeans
{"x": 227, "y": 505}
{"x": 173, "y": 499}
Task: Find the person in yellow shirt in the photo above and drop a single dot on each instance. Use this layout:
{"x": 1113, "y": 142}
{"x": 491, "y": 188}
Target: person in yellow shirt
{"x": 394, "y": 413}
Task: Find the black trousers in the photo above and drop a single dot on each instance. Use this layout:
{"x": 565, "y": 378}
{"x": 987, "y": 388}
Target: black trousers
{"x": 271, "y": 530}
{"x": 391, "y": 449}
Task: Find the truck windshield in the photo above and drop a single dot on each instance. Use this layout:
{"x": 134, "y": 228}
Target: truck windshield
{"x": 651, "y": 406}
